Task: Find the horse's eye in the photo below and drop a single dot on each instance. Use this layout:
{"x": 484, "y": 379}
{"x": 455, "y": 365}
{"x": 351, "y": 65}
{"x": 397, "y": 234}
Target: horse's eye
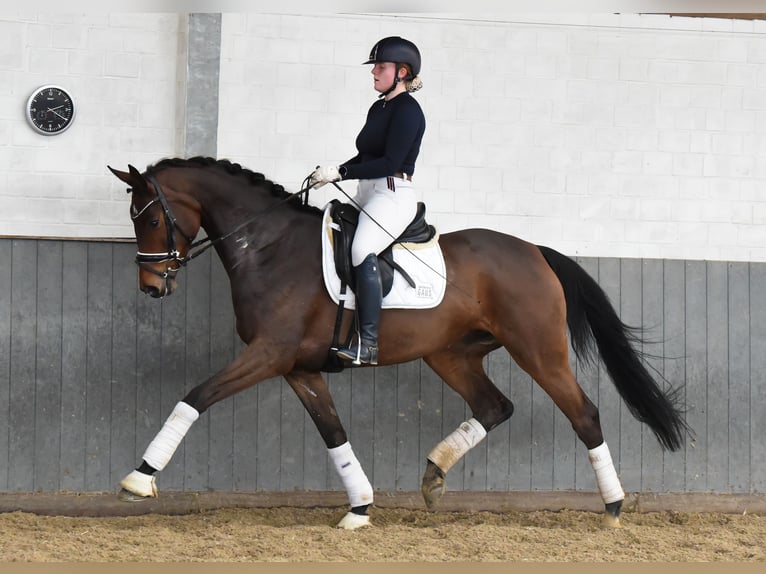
{"x": 155, "y": 223}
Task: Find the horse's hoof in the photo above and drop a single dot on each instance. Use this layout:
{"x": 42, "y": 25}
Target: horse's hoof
{"x": 434, "y": 485}
{"x": 138, "y": 486}
{"x": 609, "y": 521}
{"x": 611, "y": 517}
{"x": 353, "y": 521}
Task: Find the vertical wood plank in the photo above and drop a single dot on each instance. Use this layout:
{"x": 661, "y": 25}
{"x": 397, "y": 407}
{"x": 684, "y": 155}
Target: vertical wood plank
{"x": 696, "y": 374}
{"x": 757, "y": 377}
{"x": 340, "y": 387}
{"x": 499, "y": 439}
{"x": 123, "y": 375}
{"x": 362, "y": 409}
{"x": 269, "y": 437}
{"x": 48, "y": 366}
{"x": 292, "y": 431}
{"x": 520, "y": 429}
{"x": 221, "y": 415}
{"x": 609, "y": 400}
{"x": 23, "y": 346}
{"x": 6, "y": 276}
{"x": 674, "y": 363}
{"x": 717, "y": 388}
{"x": 588, "y": 379}
{"x": 197, "y": 358}
{"x": 384, "y": 425}
{"x": 408, "y": 426}
{"x": 74, "y": 336}
{"x": 738, "y": 395}
{"x": 173, "y": 369}
{"x": 98, "y": 420}
{"x": 652, "y": 319}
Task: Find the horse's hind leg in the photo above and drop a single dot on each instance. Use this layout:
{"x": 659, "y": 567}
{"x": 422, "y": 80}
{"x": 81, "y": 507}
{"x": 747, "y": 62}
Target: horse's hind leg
{"x": 315, "y": 396}
{"x": 548, "y": 365}
{"x": 460, "y": 366}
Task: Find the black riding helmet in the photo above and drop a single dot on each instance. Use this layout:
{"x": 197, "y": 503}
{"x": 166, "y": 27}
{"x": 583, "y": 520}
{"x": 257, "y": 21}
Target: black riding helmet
{"x": 399, "y": 51}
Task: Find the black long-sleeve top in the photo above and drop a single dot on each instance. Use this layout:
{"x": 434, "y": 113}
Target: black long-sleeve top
{"x": 389, "y": 141}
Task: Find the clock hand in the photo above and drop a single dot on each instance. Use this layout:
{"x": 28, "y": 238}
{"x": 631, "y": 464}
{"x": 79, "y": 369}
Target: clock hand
{"x": 54, "y": 109}
{"x": 58, "y": 114}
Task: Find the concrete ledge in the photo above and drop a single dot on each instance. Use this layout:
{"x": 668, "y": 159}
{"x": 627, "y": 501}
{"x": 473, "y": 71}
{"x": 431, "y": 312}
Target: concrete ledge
{"x": 107, "y": 503}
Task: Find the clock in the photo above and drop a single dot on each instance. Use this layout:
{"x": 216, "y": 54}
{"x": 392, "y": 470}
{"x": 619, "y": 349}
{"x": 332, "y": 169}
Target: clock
{"x": 50, "y": 110}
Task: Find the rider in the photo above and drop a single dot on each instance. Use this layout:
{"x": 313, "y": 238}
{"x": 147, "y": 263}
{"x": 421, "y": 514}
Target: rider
{"x": 388, "y": 146}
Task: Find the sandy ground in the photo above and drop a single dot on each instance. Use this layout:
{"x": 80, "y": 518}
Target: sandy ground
{"x": 308, "y": 535}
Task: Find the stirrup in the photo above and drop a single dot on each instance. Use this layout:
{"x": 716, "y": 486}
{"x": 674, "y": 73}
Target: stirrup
{"x": 363, "y": 355}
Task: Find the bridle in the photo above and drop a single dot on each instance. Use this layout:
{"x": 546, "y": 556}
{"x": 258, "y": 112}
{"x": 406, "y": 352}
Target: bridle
{"x": 196, "y": 248}
{"x": 172, "y": 255}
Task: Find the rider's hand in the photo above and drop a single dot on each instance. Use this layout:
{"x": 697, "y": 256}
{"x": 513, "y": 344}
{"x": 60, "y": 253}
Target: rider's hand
{"x": 323, "y": 175}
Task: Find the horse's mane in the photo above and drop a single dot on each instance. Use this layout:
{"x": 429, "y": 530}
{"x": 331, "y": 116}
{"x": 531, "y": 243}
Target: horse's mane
{"x": 254, "y": 178}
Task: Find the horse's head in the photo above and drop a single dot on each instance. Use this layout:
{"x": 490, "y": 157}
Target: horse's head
{"x": 165, "y": 223}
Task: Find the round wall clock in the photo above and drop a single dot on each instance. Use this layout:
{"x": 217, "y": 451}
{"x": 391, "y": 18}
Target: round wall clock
{"x": 50, "y": 110}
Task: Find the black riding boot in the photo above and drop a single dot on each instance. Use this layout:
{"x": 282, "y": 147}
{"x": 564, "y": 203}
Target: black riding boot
{"x": 369, "y": 295}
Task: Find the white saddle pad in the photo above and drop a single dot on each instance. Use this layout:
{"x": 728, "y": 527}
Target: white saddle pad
{"x": 423, "y": 261}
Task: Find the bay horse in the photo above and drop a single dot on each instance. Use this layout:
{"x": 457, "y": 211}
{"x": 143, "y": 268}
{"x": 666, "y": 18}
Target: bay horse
{"x": 501, "y": 292}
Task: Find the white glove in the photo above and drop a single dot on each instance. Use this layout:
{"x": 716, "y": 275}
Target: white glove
{"x": 323, "y": 175}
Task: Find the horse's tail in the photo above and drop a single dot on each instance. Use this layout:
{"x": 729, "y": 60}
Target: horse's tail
{"x": 592, "y": 319}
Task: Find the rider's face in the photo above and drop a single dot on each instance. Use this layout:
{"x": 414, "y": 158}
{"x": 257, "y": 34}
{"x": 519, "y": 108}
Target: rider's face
{"x": 383, "y": 74}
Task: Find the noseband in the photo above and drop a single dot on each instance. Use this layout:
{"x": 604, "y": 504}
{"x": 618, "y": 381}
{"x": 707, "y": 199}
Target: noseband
{"x": 171, "y": 226}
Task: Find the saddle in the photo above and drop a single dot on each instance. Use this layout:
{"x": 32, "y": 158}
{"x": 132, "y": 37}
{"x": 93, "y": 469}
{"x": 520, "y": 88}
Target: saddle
{"x": 344, "y": 220}
{"x": 346, "y": 217}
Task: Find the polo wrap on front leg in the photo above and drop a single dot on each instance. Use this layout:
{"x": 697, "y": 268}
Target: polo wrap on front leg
{"x": 351, "y": 474}
{"x": 161, "y": 449}
{"x": 453, "y": 448}
{"x": 606, "y": 476}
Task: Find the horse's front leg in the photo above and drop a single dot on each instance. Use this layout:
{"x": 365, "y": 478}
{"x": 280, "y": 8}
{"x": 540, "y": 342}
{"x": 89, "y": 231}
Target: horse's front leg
{"x": 315, "y": 396}
{"x": 245, "y": 371}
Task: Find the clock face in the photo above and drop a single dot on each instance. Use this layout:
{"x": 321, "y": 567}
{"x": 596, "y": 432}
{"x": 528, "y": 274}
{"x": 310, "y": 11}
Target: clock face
{"x": 50, "y": 110}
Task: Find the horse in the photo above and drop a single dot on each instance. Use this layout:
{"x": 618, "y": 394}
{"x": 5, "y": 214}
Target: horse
{"x": 501, "y": 291}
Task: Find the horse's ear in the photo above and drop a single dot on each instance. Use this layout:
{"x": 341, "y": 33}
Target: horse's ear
{"x": 133, "y": 179}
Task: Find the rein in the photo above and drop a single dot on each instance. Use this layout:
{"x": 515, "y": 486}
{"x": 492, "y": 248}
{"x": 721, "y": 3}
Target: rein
{"x": 196, "y": 248}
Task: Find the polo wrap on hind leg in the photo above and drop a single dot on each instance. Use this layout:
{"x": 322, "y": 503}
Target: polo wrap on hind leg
{"x": 161, "y": 449}
{"x": 453, "y": 447}
{"x": 606, "y": 476}
{"x": 351, "y": 474}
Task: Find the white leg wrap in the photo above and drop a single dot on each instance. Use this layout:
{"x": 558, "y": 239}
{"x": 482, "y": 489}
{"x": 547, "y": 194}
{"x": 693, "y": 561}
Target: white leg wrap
{"x": 350, "y": 471}
{"x": 166, "y": 442}
{"x": 453, "y": 448}
{"x": 606, "y": 476}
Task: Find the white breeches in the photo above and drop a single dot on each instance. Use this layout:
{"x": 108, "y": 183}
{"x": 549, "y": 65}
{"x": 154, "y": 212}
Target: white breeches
{"x": 387, "y": 213}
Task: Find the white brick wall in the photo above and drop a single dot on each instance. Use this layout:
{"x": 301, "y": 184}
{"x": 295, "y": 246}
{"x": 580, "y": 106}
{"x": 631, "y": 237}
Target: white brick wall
{"x": 121, "y": 72}
{"x": 600, "y": 135}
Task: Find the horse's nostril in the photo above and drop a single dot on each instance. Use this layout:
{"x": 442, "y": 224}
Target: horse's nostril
{"x": 151, "y": 290}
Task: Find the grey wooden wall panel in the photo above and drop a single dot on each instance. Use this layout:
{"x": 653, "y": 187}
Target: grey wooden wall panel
{"x": 757, "y": 378}
{"x": 93, "y": 368}
{"x": 47, "y": 419}
{"x": 123, "y": 368}
{"x": 717, "y": 383}
{"x": 6, "y": 277}
{"x": 609, "y": 402}
{"x": 99, "y": 362}
{"x": 382, "y": 473}
{"x": 222, "y": 351}
{"x": 674, "y": 361}
{"x": 74, "y": 373}
{"x": 738, "y": 392}
{"x": 652, "y": 318}
{"x": 696, "y": 374}
{"x": 21, "y": 412}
